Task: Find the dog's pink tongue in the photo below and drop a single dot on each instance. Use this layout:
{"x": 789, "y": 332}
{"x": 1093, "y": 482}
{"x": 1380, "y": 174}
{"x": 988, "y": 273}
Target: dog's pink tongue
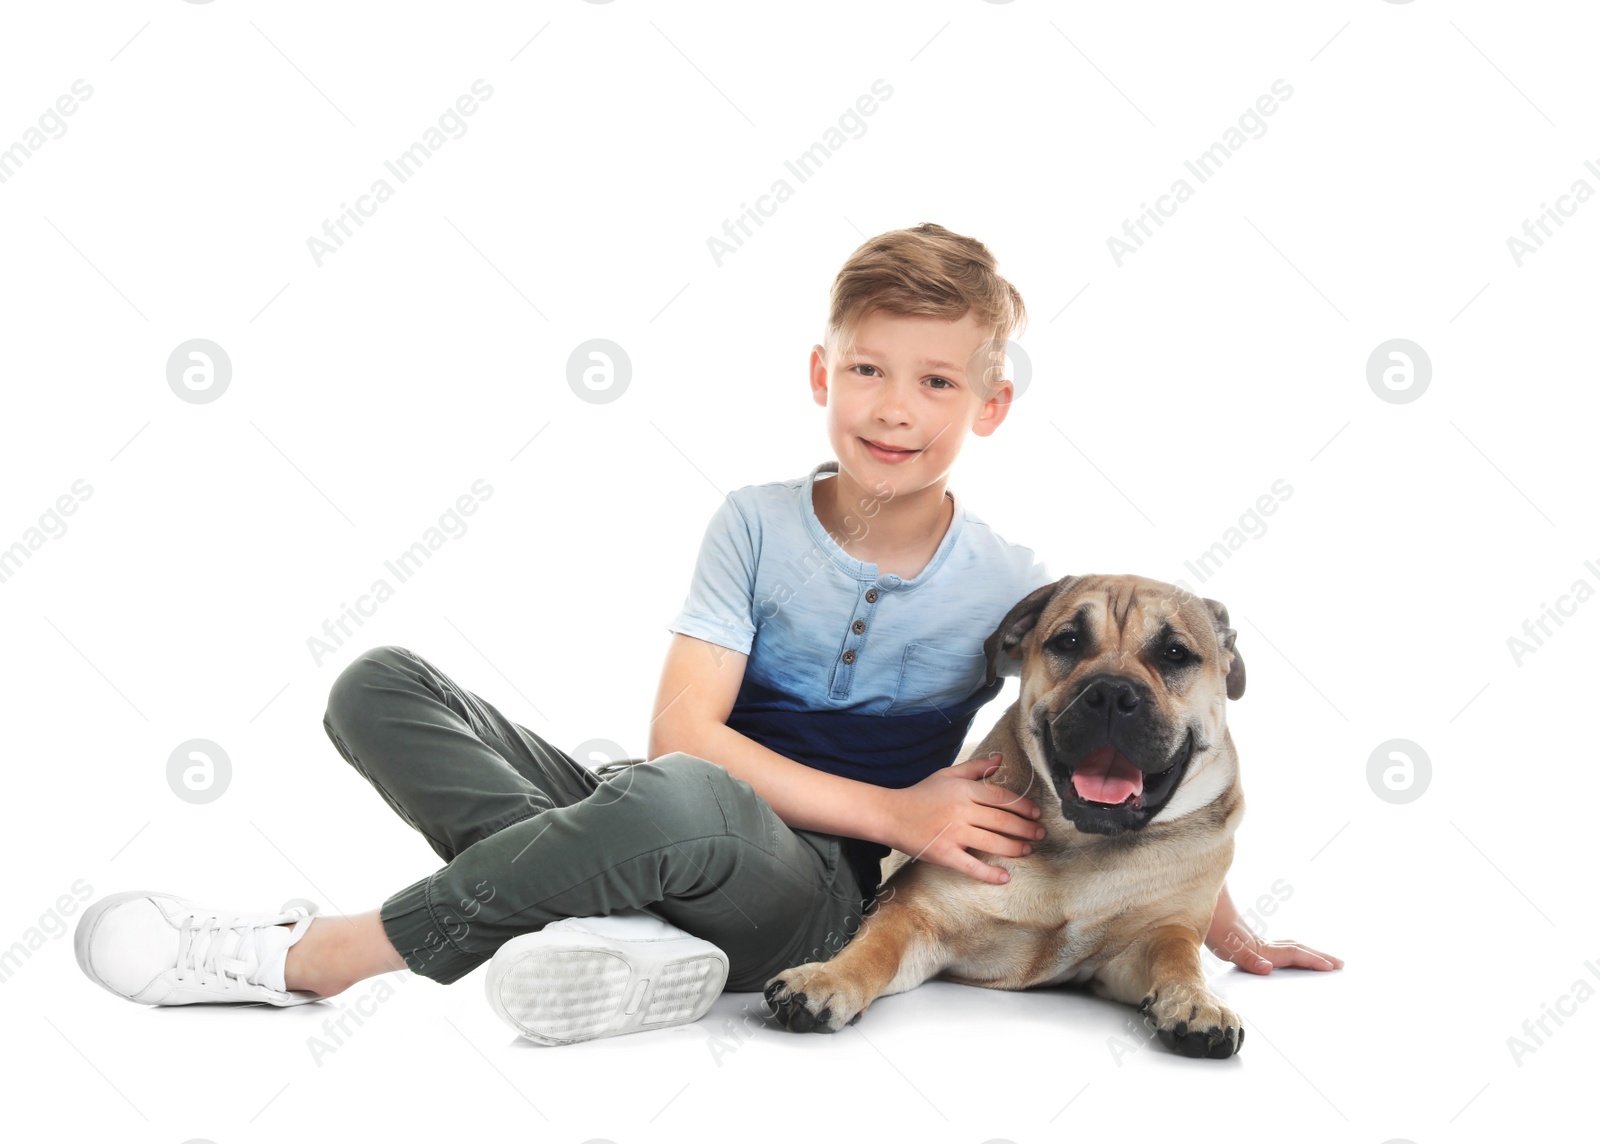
{"x": 1105, "y": 776}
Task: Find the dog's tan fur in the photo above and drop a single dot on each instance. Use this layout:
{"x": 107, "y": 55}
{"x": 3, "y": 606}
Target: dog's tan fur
{"x": 1123, "y": 915}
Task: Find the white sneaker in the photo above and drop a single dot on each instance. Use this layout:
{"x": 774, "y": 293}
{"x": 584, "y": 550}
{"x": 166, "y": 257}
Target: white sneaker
{"x": 159, "y": 949}
{"x": 581, "y": 978}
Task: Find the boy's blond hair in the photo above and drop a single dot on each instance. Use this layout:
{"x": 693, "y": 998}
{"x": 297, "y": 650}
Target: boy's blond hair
{"x": 927, "y": 271}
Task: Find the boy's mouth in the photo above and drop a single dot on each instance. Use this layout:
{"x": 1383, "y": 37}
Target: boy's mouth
{"x": 888, "y": 454}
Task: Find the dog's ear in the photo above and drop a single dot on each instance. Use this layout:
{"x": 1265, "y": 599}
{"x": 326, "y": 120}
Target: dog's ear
{"x": 1225, "y": 639}
{"x": 1003, "y": 647}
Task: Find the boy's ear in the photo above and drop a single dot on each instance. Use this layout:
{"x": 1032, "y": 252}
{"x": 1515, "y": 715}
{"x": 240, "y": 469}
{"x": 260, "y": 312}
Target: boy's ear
{"x": 1225, "y": 640}
{"x": 1004, "y": 645}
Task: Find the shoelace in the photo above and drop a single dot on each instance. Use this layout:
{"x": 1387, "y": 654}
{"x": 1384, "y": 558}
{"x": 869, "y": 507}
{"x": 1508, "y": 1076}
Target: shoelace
{"x": 202, "y": 940}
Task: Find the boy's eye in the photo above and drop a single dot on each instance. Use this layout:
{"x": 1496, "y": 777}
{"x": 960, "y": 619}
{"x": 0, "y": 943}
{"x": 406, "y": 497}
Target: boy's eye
{"x": 947, "y": 383}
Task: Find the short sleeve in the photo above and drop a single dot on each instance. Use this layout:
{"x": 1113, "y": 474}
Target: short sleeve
{"x": 720, "y": 607}
{"x": 1038, "y": 573}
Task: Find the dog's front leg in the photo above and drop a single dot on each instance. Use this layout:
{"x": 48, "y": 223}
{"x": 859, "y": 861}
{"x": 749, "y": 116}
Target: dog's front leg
{"x": 897, "y": 948}
{"x": 1161, "y": 974}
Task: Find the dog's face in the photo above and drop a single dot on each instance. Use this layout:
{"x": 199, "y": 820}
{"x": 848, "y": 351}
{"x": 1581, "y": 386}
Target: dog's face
{"x": 1123, "y": 681}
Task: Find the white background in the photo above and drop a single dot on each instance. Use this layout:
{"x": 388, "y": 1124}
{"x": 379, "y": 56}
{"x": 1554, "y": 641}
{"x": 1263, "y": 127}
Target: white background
{"x": 1167, "y": 395}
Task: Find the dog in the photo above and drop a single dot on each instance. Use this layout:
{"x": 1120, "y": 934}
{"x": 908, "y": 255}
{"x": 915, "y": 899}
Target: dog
{"x": 1119, "y": 735}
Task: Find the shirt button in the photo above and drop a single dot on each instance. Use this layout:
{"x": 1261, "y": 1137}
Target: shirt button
{"x": 858, "y": 627}
{"x": 850, "y": 656}
{"x": 872, "y": 595}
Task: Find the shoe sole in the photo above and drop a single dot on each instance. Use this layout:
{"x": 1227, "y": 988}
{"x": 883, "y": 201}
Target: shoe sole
{"x": 561, "y": 994}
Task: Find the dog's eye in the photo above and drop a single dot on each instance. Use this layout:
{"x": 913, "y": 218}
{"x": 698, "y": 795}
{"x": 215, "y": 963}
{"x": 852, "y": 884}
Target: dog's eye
{"x": 1064, "y": 641}
{"x": 1176, "y": 653}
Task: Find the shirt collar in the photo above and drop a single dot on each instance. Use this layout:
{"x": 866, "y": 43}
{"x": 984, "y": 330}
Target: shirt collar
{"x": 861, "y": 570}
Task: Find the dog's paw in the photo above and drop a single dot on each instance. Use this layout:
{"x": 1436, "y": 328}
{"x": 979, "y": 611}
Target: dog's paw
{"x": 812, "y": 999}
{"x": 1192, "y": 1020}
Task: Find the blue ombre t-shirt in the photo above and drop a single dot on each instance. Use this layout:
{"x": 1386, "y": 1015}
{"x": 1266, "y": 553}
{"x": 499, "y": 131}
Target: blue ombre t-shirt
{"x": 866, "y": 675}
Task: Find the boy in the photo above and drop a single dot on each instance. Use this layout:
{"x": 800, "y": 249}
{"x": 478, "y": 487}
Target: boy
{"x": 828, "y": 658}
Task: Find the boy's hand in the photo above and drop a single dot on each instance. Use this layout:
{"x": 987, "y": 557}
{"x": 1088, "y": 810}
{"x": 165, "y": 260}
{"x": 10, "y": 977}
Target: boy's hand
{"x": 1230, "y": 939}
{"x": 939, "y": 818}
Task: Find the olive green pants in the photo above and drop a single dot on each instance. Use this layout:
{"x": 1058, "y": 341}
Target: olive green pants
{"x": 529, "y": 835}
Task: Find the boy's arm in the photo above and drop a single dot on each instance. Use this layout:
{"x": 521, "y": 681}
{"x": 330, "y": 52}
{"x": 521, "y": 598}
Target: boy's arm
{"x": 699, "y": 684}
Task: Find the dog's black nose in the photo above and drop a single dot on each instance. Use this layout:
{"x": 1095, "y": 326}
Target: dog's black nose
{"x": 1109, "y": 693}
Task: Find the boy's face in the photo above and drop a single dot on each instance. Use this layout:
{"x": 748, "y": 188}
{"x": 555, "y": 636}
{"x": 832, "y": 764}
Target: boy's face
{"x": 906, "y": 383}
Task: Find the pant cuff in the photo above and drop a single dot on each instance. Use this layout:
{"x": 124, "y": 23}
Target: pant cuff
{"x": 409, "y": 920}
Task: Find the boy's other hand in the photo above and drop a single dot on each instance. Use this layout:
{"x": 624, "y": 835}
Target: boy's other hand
{"x": 940, "y": 818}
{"x": 1232, "y": 940}
{"x": 1256, "y": 955}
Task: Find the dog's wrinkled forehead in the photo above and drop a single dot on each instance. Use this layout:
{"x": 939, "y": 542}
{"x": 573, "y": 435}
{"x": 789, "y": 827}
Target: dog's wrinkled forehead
{"x": 1114, "y": 612}
{"x": 1125, "y": 611}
